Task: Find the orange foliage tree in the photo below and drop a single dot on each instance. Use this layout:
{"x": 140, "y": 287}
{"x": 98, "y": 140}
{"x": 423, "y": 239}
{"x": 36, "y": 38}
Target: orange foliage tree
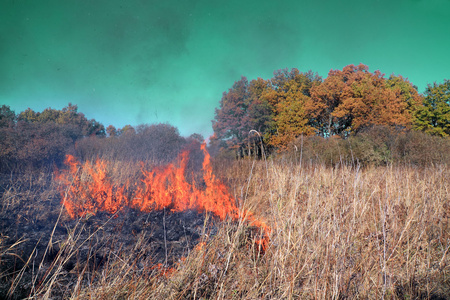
{"x": 355, "y": 98}
{"x": 288, "y": 96}
{"x": 275, "y": 108}
{"x": 293, "y": 103}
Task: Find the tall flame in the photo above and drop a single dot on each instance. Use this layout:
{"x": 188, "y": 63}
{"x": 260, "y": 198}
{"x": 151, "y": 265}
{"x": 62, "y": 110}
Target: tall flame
{"x": 87, "y": 188}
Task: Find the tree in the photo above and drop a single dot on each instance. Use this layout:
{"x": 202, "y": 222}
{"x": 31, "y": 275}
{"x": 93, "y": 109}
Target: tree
{"x": 94, "y": 128}
{"x": 434, "y": 116}
{"x": 39, "y": 144}
{"x": 259, "y": 109}
{"x": 28, "y": 115}
{"x": 36, "y": 139}
{"x": 405, "y": 90}
{"x": 325, "y": 98}
{"x": 196, "y": 137}
{"x": 111, "y": 131}
{"x": 7, "y": 137}
{"x": 290, "y": 119}
{"x": 68, "y": 117}
{"x": 231, "y": 122}
{"x": 7, "y": 116}
{"x": 127, "y": 130}
{"x": 367, "y": 101}
{"x": 293, "y": 103}
{"x": 354, "y": 98}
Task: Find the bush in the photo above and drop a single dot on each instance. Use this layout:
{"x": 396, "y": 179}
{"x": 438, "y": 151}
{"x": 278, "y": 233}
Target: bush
{"x": 159, "y": 143}
{"x": 34, "y": 145}
{"x": 375, "y": 146}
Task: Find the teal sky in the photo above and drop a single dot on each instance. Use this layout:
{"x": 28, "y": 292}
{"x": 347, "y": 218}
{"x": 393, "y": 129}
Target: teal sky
{"x": 146, "y": 61}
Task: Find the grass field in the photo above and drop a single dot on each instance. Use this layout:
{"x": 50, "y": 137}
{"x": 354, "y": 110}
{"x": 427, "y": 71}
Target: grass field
{"x": 335, "y": 232}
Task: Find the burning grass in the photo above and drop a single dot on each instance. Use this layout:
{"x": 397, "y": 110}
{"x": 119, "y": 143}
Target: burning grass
{"x": 88, "y": 188}
{"x": 335, "y": 233}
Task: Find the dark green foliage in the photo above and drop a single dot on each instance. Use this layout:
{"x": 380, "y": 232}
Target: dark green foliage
{"x": 7, "y": 116}
{"x": 434, "y": 116}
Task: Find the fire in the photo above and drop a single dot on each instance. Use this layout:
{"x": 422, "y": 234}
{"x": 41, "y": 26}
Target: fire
{"x": 88, "y": 188}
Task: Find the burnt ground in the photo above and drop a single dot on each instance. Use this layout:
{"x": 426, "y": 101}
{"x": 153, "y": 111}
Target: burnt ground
{"x": 52, "y": 243}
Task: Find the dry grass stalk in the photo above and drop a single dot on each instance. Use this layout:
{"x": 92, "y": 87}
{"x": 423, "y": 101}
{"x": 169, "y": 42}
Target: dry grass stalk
{"x": 336, "y": 233}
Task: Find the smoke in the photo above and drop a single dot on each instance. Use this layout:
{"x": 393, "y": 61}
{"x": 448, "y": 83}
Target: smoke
{"x": 125, "y": 56}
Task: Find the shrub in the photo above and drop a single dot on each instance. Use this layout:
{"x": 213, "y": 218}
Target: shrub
{"x": 375, "y": 146}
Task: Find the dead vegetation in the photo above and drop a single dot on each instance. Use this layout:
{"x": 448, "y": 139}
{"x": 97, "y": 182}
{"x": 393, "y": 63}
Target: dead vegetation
{"x": 336, "y": 232}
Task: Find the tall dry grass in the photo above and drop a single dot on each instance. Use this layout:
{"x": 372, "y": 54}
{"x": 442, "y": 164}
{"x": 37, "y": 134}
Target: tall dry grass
{"x": 336, "y": 233}
{"x": 343, "y": 232}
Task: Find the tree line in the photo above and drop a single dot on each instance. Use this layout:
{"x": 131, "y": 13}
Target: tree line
{"x": 293, "y": 104}
{"x": 36, "y": 139}
{"x": 274, "y": 113}
{"x": 33, "y": 140}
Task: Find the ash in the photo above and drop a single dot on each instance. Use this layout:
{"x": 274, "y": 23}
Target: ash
{"x": 51, "y": 245}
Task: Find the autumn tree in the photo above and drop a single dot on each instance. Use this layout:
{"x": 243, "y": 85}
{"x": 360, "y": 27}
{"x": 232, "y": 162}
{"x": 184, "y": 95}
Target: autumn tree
{"x": 367, "y": 101}
{"x": 37, "y": 139}
{"x": 111, "y": 131}
{"x": 274, "y": 108}
{"x": 325, "y": 98}
{"x": 290, "y": 93}
{"x": 434, "y": 116}
{"x": 69, "y": 117}
{"x": 355, "y": 98}
{"x": 127, "y": 130}
{"x": 347, "y": 102}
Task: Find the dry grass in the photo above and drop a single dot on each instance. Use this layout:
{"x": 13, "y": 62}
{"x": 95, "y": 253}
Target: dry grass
{"x": 336, "y": 233}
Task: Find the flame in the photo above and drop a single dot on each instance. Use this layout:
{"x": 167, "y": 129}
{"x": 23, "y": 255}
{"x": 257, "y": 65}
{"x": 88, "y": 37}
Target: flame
{"x": 95, "y": 192}
{"x": 88, "y": 188}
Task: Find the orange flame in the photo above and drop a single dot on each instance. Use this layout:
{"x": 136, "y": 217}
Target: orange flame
{"x": 87, "y": 188}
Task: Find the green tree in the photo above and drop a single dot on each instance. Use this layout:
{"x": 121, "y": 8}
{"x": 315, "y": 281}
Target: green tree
{"x": 408, "y": 94}
{"x": 28, "y": 115}
{"x": 94, "y": 128}
{"x": 259, "y": 110}
{"x": 434, "y": 116}
{"x": 7, "y": 116}
{"x": 406, "y": 90}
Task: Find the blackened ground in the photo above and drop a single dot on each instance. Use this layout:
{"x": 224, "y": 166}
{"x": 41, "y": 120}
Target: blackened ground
{"x": 87, "y": 246}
